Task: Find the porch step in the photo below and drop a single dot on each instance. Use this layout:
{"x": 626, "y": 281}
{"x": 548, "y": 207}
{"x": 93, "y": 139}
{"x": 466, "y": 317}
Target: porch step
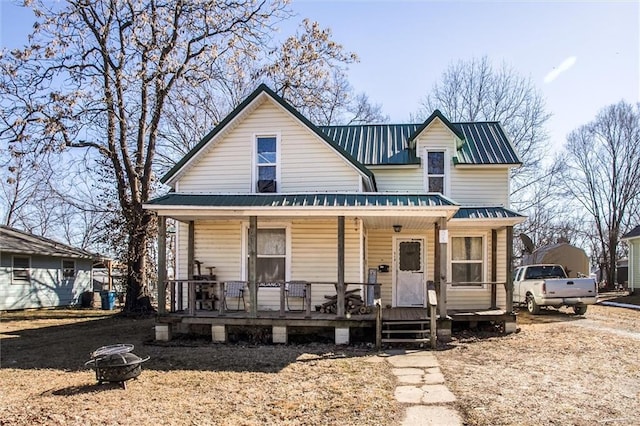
{"x": 406, "y": 331}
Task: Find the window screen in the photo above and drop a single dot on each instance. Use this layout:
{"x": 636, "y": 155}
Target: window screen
{"x": 410, "y": 256}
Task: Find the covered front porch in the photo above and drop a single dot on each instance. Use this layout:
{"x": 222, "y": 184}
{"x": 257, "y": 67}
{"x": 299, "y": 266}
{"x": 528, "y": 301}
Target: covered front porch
{"x": 393, "y": 257}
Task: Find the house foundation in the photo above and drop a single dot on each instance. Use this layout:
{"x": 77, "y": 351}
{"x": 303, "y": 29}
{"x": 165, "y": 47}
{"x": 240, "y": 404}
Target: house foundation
{"x": 163, "y": 332}
{"x": 279, "y": 334}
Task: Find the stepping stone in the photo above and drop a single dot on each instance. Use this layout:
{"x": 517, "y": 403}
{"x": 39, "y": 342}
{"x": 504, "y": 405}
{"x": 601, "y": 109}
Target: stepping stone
{"x": 437, "y": 394}
{"x": 420, "y": 415}
{"x": 433, "y": 379}
{"x": 424, "y": 360}
{"x": 409, "y": 394}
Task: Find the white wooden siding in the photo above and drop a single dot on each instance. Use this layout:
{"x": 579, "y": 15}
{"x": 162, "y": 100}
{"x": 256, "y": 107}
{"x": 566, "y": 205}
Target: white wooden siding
{"x": 307, "y": 163}
{"x": 313, "y": 257}
{"x": 380, "y": 252}
{"x": 400, "y": 179}
{"x": 476, "y": 187}
{"x": 469, "y": 298}
{"x": 437, "y": 136}
{"x": 634, "y": 264}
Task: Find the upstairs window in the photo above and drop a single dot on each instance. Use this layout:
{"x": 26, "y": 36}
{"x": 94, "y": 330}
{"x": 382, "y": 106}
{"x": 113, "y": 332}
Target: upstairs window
{"x": 266, "y": 164}
{"x": 68, "y": 269}
{"x": 21, "y": 271}
{"x": 435, "y": 171}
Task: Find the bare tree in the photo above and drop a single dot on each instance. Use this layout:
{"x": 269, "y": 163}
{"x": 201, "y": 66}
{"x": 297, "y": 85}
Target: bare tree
{"x": 475, "y": 90}
{"x": 97, "y": 76}
{"x": 308, "y": 70}
{"x": 603, "y": 177}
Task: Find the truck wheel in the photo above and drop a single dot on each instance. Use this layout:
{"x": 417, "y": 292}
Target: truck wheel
{"x": 532, "y": 307}
{"x": 580, "y": 310}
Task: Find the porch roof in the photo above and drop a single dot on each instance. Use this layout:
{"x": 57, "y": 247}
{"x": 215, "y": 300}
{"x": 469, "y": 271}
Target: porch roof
{"x": 425, "y": 204}
{"x": 485, "y": 213}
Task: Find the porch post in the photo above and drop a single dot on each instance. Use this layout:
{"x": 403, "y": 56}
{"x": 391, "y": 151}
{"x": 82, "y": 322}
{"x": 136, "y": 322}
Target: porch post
{"x": 340, "y": 287}
{"x": 494, "y": 268}
{"x": 509, "y": 280}
{"x": 162, "y": 264}
{"x": 443, "y": 238}
{"x": 191, "y": 249}
{"x": 253, "y": 261}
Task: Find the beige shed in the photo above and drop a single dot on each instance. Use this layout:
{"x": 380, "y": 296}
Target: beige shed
{"x": 574, "y": 260}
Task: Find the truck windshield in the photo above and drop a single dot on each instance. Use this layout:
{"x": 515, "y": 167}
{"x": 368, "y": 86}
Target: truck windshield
{"x": 539, "y": 272}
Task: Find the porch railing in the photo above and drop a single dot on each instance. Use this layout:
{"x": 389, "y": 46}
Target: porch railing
{"x": 216, "y": 292}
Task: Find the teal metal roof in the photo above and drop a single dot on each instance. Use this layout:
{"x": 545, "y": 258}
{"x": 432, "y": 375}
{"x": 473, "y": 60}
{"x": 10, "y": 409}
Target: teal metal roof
{"x": 485, "y": 213}
{"x": 390, "y": 144}
{"x": 376, "y": 144}
{"x": 485, "y": 143}
{"x": 303, "y": 200}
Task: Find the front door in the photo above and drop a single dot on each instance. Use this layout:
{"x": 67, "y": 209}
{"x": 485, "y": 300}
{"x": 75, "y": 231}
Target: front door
{"x": 409, "y": 272}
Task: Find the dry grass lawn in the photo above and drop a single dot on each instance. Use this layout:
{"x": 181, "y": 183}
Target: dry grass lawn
{"x": 558, "y": 369}
{"x": 44, "y": 380}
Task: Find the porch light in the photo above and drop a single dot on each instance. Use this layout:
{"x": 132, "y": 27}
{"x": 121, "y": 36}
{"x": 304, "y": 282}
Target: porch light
{"x": 397, "y": 228}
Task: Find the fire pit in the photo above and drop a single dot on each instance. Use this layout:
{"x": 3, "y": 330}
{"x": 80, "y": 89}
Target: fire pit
{"x": 116, "y": 364}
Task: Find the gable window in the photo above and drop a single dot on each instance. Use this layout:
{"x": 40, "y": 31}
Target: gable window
{"x": 266, "y": 163}
{"x": 272, "y": 257}
{"x": 435, "y": 171}
{"x": 68, "y": 269}
{"x": 21, "y": 272}
{"x": 467, "y": 260}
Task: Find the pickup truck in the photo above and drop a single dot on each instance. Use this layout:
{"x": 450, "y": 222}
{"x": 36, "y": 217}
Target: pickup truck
{"x": 548, "y": 285}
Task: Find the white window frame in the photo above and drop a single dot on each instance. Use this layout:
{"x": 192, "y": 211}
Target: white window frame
{"x": 13, "y": 268}
{"x": 255, "y": 165}
{"x": 447, "y": 169}
{"x": 245, "y": 253}
{"x": 485, "y": 260}
{"x": 62, "y": 268}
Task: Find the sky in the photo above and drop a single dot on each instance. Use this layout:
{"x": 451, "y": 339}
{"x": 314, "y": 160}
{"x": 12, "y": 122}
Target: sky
{"x": 581, "y": 55}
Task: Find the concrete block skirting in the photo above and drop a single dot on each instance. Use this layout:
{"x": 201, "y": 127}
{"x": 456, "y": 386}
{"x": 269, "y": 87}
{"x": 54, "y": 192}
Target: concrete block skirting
{"x": 443, "y": 330}
{"x": 219, "y": 333}
{"x": 163, "y": 332}
{"x": 279, "y": 334}
{"x": 342, "y": 336}
{"x": 510, "y": 327}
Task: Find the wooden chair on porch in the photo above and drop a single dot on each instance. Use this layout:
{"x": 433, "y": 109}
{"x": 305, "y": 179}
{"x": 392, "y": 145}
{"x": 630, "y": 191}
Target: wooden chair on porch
{"x": 234, "y": 290}
{"x": 296, "y": 289}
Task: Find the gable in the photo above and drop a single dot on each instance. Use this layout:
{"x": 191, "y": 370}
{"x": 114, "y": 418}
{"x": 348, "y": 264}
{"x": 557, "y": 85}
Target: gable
{"x": 306, "y": 162}
{"x": 244, "y": 110}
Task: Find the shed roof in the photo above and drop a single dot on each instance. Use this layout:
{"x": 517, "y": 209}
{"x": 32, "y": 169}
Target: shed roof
{"x": 16, "y": 241}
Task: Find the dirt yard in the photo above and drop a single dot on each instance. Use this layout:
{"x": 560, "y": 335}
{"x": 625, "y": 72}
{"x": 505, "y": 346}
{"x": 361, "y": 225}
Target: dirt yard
{"x": 558, "y": 369}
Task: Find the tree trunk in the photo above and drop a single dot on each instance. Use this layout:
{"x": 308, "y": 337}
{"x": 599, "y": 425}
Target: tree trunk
{"x": 138, "y": 297}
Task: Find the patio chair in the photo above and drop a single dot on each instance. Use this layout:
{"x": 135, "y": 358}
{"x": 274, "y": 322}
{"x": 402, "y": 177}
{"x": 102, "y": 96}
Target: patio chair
{"x": 296, "y": 289}
{"x": 234, "y": 290}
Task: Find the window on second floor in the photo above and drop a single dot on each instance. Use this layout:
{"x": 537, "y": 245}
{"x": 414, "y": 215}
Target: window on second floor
{"x": 435, "y": 171}
{"x": 266, "y": 164}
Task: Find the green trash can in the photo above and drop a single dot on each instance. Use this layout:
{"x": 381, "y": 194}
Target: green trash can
{"x": 108, "y": 299}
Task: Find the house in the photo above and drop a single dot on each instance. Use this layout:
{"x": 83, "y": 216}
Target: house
{"x": 574, "y": 259}
{"x": 268, "y": 198}
{"x": 633, "y": 239}
{"x": 37, "y": 272}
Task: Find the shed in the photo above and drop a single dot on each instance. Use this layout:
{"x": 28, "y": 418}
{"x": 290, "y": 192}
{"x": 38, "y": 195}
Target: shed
{"x": 37, "y": 272}
{"x": 574, "y": 260}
